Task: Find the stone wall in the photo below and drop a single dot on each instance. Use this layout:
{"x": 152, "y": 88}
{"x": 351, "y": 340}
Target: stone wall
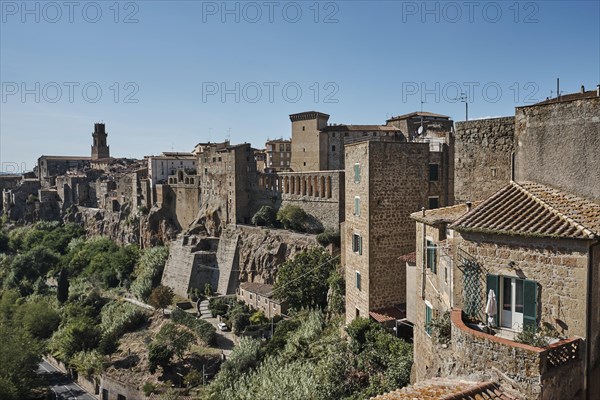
{"x": 393, "y": 183}
{"x": 240, "y": 254}
{"x": 319, "y": 194}
{"x": 398, "y": 186}
{"x": 558, "y": 266}
{"x": 482, "y": 157}
{"x": 557, "y": 144}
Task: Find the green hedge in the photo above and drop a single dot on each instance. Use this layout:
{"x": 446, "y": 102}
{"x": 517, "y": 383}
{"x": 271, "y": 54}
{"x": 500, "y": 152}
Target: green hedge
{"x": 203, "y": 329}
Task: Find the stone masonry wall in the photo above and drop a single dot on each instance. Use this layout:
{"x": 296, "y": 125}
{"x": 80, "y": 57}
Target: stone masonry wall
{"x": 558, "y": 266}
{"x": 482, "y": 156}
{"x": 557, "y": 144}
{"x": 398, "y": 186}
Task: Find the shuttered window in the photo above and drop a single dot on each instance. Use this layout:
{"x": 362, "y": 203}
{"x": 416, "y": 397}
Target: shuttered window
{"x": 358, "y": 285}
{"x": 357, "y": 173}
{"x": 357, "y": 243}
{"x": 530, "y": 304}
{"x": 356, "y": 205}
{"x": 431, "y": 256}
{"x": 428, "y": 313}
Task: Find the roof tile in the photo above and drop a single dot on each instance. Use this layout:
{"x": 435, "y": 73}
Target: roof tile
{"x": 533, "y": 209}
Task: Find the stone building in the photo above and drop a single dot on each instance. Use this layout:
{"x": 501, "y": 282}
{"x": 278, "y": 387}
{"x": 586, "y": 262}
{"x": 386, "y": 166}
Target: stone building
{"x": 309, "y": 146}
{"x": 536, "y": 248}
{"x": 8, "y": 182}
{"x": 278, "y": 155}
{"x": 483, "y": 154}
{"x": 228, "y": 180}
{"x": 384, "y": 183}
{"x": 260, "y": 297}
{"x": 421, "y": 123}
{"x": 49, "y": 167}
{"x": 557, "y": 142}
{"x": 167, "y": 163}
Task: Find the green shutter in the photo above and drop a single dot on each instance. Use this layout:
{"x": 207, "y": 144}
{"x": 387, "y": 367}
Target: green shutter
{"x": 358, "y": 280}
{"x": 529, "y": 304}
{"x": 427, "y": 319}
{"x": 356, "y": 172}
{"x": 360, "y": 245}
{"x": 493, "y": 283}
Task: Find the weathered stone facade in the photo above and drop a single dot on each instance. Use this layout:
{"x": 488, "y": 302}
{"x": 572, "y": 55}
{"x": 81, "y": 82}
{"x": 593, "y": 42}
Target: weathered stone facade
{"x": 566, "y": 275}
{"x": 557, "y": 144}
{"x": 385, "y": 182}
{"x": 240, "y": 254}
{"x": 309, "y": 146}
{"x": 483, "y": 157}
{"x": 319, "y": 194}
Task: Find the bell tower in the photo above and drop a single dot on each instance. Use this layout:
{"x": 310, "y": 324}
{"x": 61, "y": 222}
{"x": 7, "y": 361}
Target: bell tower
{"x": 99, "y": 148}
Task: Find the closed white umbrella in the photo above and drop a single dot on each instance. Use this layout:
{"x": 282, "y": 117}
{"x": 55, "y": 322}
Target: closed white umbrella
{"x": 490, "y": 307}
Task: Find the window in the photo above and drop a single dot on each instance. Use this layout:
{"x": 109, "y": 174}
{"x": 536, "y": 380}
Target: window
{"x": 281, "y": 147}
{"x": 356, "y": 205}
{"x": 358, "y": 280}
{"x": 428, "y": 313}
{"x": 332, "y": 148}
{"x": 434, "y": 172}
{"x": 356, "y": 173}
{"x": 357, "y": 243}
{"x": 516, "y": 301}
{"x": 434, "y": 202}
{"x": 357, "y": 312}
{"x": 431, "y": 256}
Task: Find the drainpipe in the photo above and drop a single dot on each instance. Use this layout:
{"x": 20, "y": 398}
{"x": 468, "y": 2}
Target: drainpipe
{"x": 423, "y": 258}
{"x": 588, "y": 328}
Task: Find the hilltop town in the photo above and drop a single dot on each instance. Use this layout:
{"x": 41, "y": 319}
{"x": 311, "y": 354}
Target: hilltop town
{"x": 477, "y": 241}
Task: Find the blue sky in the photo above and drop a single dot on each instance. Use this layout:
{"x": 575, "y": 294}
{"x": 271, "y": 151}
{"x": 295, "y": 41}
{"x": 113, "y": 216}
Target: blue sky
{"x": 172, "y": 74}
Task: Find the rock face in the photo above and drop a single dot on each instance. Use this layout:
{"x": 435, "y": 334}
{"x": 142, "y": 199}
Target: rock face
{"x": 240, "y": 254}
{"x": 125, "y": 226}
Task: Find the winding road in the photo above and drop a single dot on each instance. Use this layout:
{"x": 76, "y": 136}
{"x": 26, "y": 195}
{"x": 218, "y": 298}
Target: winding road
{"x": 61, "y": 385}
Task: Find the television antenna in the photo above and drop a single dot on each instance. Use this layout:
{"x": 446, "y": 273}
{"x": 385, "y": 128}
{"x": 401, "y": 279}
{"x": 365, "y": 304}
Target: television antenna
{"x": 463, "y": 98}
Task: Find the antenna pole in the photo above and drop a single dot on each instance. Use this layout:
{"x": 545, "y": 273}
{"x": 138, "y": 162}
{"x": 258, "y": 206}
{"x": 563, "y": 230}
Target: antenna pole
{"x": 557, "y": 88}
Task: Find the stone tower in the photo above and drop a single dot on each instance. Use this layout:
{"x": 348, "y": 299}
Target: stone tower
{"x": 99, "y": 148}
{"x": 309, "y": 145}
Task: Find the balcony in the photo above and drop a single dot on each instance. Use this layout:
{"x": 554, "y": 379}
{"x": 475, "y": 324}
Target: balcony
{"x": 537, "y": 373}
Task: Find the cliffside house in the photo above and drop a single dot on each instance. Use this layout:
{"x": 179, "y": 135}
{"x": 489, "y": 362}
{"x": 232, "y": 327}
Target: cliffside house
{"x": 260, "y": 296}
{"x": 537, "y": 249}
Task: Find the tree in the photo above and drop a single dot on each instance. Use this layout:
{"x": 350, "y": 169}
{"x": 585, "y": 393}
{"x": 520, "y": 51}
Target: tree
{"x": 159, "y": 355}
{"x": 39, "y": 319}
{"x": 161, "y": 297}
{"x": 266, "y": 216}
{"x": 302, "y": 281}
{"x": 109, "y": 343}
{"x": 80, "y": 334}
{"x": 292, "y": 217}
{"x": 176, "y": 339}
{"x": 62, "y": 291}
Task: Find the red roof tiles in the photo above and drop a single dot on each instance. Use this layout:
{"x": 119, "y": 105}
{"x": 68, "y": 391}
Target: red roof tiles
{"x": 533, "y": 209}
{"x": 448, "y": 389}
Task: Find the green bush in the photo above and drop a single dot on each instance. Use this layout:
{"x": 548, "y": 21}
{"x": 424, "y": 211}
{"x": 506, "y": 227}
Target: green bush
{"x": 329, "y": 237}
{"x": 266, "y": 216}
{"x": 203, "y": 329}
{"x": 292, "y": 217}
{"x": 148, "y": 271}
{"x": 119, "y": 317}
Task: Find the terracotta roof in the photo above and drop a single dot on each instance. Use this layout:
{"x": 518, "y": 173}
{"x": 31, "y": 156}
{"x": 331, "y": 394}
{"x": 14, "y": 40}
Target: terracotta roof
{"x": 533, "y": 209}
{"x": 389, "y": 313}
{"x": 418, "y": 114}
{"x": 448, "y": 389}
{"x": 409, "y": 258}
{"x": 444, "y": 215}
{"x": 262, "y": 289}
{"x": 359, "y": 128}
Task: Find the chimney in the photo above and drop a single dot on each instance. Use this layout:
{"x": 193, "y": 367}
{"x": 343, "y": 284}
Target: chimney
{"x": 423, "y": 210}
{"x": 469, "y": 205}
{"x": 582, "y": 89}
{"x": 598, "y": 90}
